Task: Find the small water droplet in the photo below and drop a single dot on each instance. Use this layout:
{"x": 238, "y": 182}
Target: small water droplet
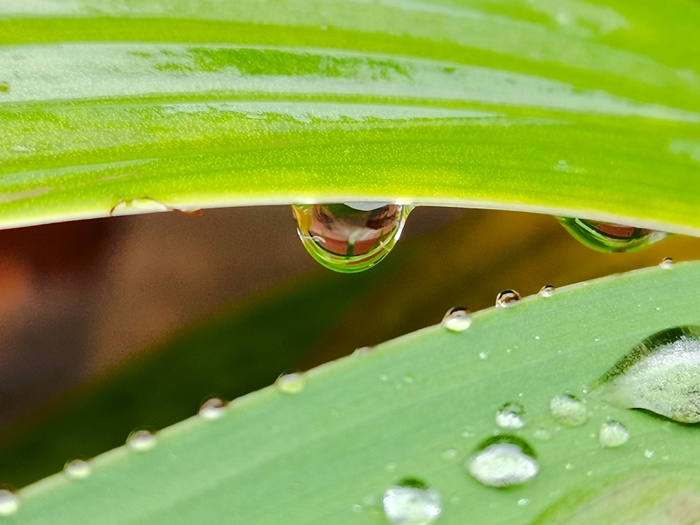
{"x": 569, "y": 466}
{"x": 661, "y": 374}
{"x": 507, "y": 298}
{"x": 609, "y": 237}
{"x": 411, "y": 502}
{"x": 562, "y": 165}
{"x": 141, "y": 440}
{"x": 350, "y": 237}
{"x": 613, "y": 434}
{"x": 212, "y": 408}
{"x": 291, "y": 383}
{"x": 450, "y": 453}
{"x": 547, "y": 290}
{"x": 77, "y": 469}
{"x": 543, "y": 434}
{"x": 357, "y": 507}
{"x": 648, "y": 454}
{"x": 9, "y": 503}
{"x": 568, "y": 410}
{"x": 503, "y": 461}
{"x": 522, "y": 502}
{"x": 483, "y": 356}
{"x": 666, "y": 264}
{"x": 511, "y": 416}
{"x": 457, "y": 319}
{"x": 409, "y": 379}
{"x": 390, "y": 467}
{"x": 468, "y": 433}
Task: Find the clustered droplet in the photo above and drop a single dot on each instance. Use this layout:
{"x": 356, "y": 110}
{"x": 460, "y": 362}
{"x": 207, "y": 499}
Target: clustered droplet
{"x": 457, "y": 319}
{"x": 661, "y": 374}
{"x": 350, "y": 237}
{"x": 609, "y": 237}
{"x": 411, "y": 502}
{"x": 503, "y": 461}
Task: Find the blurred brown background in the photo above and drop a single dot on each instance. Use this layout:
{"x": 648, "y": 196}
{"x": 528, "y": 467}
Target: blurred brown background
{"x": 76, "y": 299}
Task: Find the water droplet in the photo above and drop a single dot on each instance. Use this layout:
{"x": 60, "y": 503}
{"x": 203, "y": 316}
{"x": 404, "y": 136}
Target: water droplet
{"x": 507, "y": 298}
{"x": 613, "y": 434}
{"x": 350, "y": 237}
{"x": 141, "y": 440}
{"x": 9, "y": 503}
{"x": 502, "y": 461}
{"x": 660, "y": 374}
{"x": 450, "y": 453}
{"x": 77, "y": 469}
{"x": 543, "y": 434}
{"x": 411, "y": 502}
{"x": 547, "y": 290}
{"x": 666, "y": 264}
{"x": 522, "y": 502}
{"x": 511, "y": 416}
{"x": 568, "y": 410}
{"x": 483, "y": 356}
{"x": 608, "y": 237}
{"x": 562, "y": 165}
{"x": 212, "y": 408}
{"x": 648, "y": 454}
{"x": 457, "y": 319}
{"x": 291, "y": 383}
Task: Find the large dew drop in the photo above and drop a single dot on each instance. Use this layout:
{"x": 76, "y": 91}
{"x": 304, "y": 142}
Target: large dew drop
{"x": 411, "y": 502}
{"x": 350, "y": 237}
{"x": 661, "y": 374}
{"x": 457, "y": 319}
{"x": 503, "y": 461}
{"x": 608, "y": 237}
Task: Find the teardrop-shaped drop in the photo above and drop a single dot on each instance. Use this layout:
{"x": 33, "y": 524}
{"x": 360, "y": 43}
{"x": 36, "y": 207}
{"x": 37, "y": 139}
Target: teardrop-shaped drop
{"x": 609, "y": 237}
{"x": 350, "y": 237}
{"x": 661, "y": 374}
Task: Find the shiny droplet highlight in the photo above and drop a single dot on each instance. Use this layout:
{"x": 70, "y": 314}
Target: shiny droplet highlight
{"x": 613, "y": 434}
{"x": 77, "y": 469}
{"x": 457, "y": 319}
{"x": 568, "y": 410}
{"x": 350, "y": 237}
{"x": 660, "y": 374}
{"x": 9, "y": 503}
{"x": 511, "y": 416}
{"x": 507, "y": 298}
{"x": 212, "y": 408}
{"x": 291, "y": 383}
{"x": 503, "y": 461}
{"x": 609, "y": 237}
{"x": 141, "y": 440}
{"x": 547, "y": 290}
{"x": 411, "y": 502}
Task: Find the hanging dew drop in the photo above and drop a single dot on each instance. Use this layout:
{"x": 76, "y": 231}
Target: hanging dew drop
{"x": 503, "y": 461}
{"x": 511, "y": 416}
{"x": 608, "y": 237}
{"x": 9, "y": 503}
{"x": 613, "y": 434}
{"x": 661, "y": 374}
{"x": 212, "y": 408}
{"x": 457, "y": 319}
{"x": 666, "y": 264}
{"x": 77, "y": 469}
{"x": 141, "y": 440}
{"x": 507, "y": 298}
{"x": 350, "y": 237}
{"x": 568, "y": 410}
{"x": 411, "y": 502}
{"x": 291, "y": 383}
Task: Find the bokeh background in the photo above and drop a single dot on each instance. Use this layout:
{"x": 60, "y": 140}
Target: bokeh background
{"x": 131, "y": 322}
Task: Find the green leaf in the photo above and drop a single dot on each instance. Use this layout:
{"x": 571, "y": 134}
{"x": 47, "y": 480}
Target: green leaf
{"x": 417, "y": 407}
{"x": 569, "y": 108}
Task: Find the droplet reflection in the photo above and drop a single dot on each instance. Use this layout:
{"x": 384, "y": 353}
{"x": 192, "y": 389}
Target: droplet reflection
{"x": 609, "y": 237}
{"x": 350, "y": 237}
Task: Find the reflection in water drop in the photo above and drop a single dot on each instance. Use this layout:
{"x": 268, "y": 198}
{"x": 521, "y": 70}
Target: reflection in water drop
{"x": 666, "y": 264}
{"x": 511, "y": 416}
{"x": 411, "y": 502}
{"x": 547, "y": 290}
{"x": 507, "y": 298}
{"x": 457, "y": 319}
{"x": 568, "y": 410}
{"x": 660, "y": 374}
{"x": 607, "y": 237}
{"x": 350, "y": 237}
{"x": 613, "y": 434}
{"x": 291, "y": 383}
{"x": 77, "y": 469}
{"x": 503, "y": 461}
{"x": 9, "y": 503}
{"x": 212, "y": 408}
{"x": 141, "y": 440}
